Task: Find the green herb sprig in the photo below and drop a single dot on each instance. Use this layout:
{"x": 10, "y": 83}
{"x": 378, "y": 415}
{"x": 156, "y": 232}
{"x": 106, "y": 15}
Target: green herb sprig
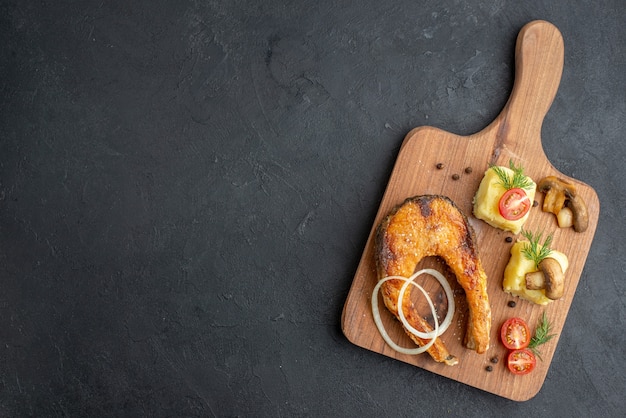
{"x": 535, "y": 251}
{"x": 519, "y": 180}
{"x": 542, "y": 335}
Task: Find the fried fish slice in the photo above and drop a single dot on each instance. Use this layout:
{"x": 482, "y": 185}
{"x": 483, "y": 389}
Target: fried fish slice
{"x": 432, "y": 225}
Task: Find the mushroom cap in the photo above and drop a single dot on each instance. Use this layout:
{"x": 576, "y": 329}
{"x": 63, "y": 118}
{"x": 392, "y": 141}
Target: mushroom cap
{"x": 556, "y": 183}
{"x": 581, "y": 215}
{"x": 554, "y": 278}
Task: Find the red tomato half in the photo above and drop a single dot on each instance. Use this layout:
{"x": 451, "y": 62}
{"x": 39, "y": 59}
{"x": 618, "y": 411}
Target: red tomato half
{"x": 515, "y": 334}
{"x": 521, "y": 361}
{"x": 514, "y": 204}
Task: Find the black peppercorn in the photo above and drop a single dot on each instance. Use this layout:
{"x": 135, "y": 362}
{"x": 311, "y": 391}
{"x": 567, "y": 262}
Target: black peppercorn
{"x": 494, "y": 360}
{"x": 535, "y": 203}
{"x": 508, "y": 239}
{"x": 489, "y": 368}
{"x": 511, "y": 304}
{"x": 439, "y": 166}
{"x": 468, "y": 170}
{"x": 455, "y": 177}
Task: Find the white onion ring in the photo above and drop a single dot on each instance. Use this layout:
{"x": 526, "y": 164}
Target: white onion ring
{"x": 447, "y": 289}
{"x": 381, "y": 327}
{"x": 432, "y": 335}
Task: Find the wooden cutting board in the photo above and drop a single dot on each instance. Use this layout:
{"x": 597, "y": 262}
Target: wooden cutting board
{"x": 514, "y": 135}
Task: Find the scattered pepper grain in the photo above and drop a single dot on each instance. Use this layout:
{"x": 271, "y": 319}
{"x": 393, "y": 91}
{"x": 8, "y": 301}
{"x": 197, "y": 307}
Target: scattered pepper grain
{"x": 494, "y": 359}
{"x": 535, "y": 203}
{"x": 439, "y": 166}
{"x": 512, "y": 304}
{"x": 468, "y": 170}
{"x": 455, "y": 177}
{"x": 509, "y": 239}
{"x": 489, "y": 368}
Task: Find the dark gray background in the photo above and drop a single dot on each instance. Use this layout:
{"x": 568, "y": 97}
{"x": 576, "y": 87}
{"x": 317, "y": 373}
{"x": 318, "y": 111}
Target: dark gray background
{"x": 186, "y": 188}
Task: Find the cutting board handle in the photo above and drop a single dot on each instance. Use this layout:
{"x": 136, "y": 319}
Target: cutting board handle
{"x": 538, "y": 67}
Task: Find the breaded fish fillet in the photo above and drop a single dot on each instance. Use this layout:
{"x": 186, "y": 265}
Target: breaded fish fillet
{"x": 432, "y": 225}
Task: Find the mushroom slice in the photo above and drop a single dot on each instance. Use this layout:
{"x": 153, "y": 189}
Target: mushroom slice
{"x": 565, "y": 218}
{"x": 559, "y": 194}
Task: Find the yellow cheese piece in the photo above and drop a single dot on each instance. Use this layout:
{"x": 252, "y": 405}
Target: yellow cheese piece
{"x": 515, "y": 272}
{"x": 488, "y": 196}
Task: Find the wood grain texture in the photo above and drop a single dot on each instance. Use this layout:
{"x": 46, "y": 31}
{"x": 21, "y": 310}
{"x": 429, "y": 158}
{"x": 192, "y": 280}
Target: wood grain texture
{"x": 514, "y": 135}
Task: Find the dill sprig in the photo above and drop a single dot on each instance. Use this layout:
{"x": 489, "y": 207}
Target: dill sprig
{"x": 542, "y": 335}
{"x": 519, "y": 180}
{"x": 535, "y": 251}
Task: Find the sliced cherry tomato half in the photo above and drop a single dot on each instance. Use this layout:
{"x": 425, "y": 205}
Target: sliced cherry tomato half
{"x": 521, "y": 361}
{"x": 515, "y": 334}
{"x": 514, "y": 204}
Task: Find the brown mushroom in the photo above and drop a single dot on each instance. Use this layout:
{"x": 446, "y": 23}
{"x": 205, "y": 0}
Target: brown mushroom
{"x": 559, "y": 194}
{"x": 549, "y": 277}
{"x": 579, "y": 209}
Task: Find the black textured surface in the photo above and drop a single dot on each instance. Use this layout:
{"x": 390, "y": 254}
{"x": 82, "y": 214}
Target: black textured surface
{"x": 186, "y": 188}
